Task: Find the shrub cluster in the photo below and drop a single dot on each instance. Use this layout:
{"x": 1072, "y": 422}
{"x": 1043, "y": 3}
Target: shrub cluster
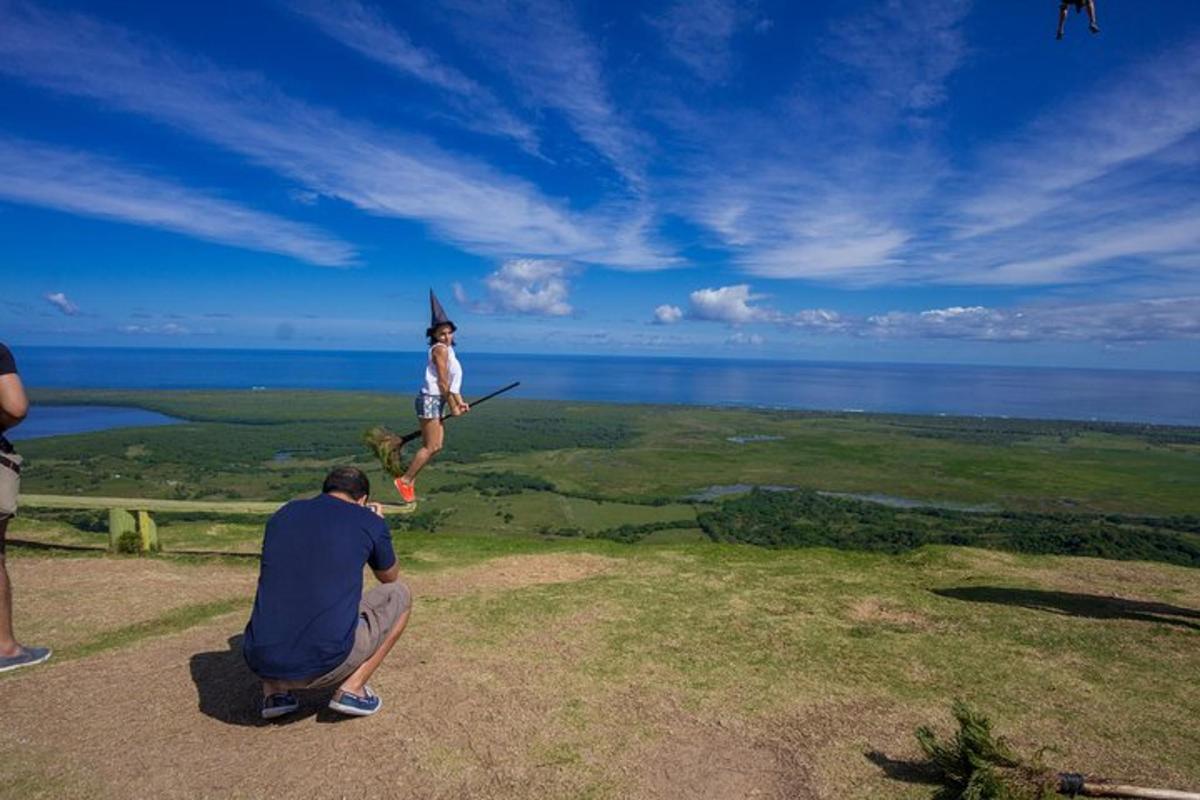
{"x": 809, "y": 519}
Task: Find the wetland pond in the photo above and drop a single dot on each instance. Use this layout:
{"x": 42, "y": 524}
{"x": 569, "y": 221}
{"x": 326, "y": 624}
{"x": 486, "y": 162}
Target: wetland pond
{"x": 63, "y": 420}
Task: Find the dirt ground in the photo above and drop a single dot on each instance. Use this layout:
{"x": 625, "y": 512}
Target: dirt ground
{"x": 175, "y": 716}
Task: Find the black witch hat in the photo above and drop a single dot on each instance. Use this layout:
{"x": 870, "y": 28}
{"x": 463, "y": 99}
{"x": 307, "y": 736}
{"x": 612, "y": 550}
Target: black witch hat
{"x": 437, "y": 315}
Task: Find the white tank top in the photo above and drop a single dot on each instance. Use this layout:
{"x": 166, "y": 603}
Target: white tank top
{"x": 431, "y": 375}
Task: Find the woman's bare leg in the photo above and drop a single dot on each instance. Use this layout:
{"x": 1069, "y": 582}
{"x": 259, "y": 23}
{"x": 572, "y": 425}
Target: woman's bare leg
{"x": 432, "y": 436}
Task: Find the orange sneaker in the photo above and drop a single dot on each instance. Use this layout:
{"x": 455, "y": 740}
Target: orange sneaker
{"x": 407, "y": 493}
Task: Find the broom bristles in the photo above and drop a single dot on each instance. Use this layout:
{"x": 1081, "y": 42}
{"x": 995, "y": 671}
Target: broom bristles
{"x": 387, "y": 447}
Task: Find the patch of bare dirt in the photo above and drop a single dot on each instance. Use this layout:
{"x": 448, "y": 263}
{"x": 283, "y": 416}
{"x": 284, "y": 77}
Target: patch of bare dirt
{"x": 61, "y": 602}
{"x": 876, "y": 611}
{"x": 847, "y": 748}
{"x": 512, "y": 572}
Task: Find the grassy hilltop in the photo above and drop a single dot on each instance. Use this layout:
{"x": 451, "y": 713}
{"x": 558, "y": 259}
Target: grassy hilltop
{"x": 584, "y": 628}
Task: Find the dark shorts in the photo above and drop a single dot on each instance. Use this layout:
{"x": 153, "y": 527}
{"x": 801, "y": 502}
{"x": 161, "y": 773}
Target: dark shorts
{"x": 378, "y": 612}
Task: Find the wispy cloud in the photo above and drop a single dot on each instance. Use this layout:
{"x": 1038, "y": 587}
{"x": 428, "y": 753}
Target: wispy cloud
{"x": 365, "y": 30}
{"x": 384, "y": 173}
{"x": 698, "y": 33}
{"x": 830, "y": 188}
{"x": 1137, "y": 321}
{"x": 1117, "y": 200}
{"x": 903, "y": 51}
{"x": 81, "y": 183}
{"x": 60, "y": 301}
{"x": 1147, "y": 112}
{"x": 165, "y": 329}
{"x": 524, "y": 286}
{"x": 741, "y": 338}
{"x": 544, "y": 51}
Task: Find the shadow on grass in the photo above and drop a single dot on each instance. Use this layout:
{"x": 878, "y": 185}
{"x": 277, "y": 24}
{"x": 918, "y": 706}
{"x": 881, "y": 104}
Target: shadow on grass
{"x": 907, "y": 771}
{"x": 69, "y": 548}
{"x": 1094, "y": 606}
{"x": 228, "y": 691}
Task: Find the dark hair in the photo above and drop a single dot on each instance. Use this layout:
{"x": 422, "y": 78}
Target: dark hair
{"x": 348, "y": 480}
{"x": 433, "y": 329}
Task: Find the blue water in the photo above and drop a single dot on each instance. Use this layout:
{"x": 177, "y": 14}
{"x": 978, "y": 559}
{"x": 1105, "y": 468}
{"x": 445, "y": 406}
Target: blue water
{"x": 58, "y": 420}
{"x": 1047, "y": 393}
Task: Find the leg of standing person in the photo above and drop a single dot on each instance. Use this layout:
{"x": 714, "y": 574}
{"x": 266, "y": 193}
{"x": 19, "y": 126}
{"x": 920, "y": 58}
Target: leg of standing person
{"x": 8, "y": 642}
{"x": 12, "y": 654}
{"x": 432, "y": 438}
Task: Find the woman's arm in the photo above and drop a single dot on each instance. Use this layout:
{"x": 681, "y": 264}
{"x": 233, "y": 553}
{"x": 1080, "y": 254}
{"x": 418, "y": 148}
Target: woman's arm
{"x": 441, "y": 363}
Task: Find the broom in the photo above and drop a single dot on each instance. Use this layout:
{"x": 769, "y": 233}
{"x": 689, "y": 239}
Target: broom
{"x": 387, "y": 445}
{"x": 977, "y": 765}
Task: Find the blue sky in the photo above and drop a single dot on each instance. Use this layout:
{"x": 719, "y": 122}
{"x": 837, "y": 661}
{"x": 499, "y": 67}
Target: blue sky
{"x": 895, "y": 181}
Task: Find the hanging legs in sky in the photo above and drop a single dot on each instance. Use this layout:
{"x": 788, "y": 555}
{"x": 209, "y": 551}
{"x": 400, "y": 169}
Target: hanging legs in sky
{"x": 1080, "y": 5}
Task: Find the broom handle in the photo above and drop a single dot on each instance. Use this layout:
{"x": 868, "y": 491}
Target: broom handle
{"x": 408, "y": 437}
{"x": 1094, "y": 789}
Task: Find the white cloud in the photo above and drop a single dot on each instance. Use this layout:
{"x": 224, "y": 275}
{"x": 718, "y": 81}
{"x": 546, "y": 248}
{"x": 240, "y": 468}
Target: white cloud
{"x": 667, "y": 315}
{"x": 80, "y": 183}
{"x": 728, "y": 304}
{"x": 365, "y": 30}
{"x": 60, "y": 301}
{"x": 1135, "y": 321}
{"x": 524, "y": 286}
{"x": 383, "y": 173}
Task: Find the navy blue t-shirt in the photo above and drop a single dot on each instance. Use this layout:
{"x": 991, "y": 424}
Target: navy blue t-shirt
{"x": 310, "y": 584}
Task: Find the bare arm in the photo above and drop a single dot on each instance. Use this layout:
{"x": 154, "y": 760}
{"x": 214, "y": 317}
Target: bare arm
{"x": 389, "y": 575}
{"x": 14, "y": 405}
{"x": 441, "y": 362}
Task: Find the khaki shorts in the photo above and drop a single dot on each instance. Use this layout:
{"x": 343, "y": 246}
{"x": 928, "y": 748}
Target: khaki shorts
{"x": 10, "y": 484}
{"x": 378, "y": 612}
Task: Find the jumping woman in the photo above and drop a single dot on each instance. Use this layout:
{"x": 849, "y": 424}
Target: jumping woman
{"x": 441, "y": 392}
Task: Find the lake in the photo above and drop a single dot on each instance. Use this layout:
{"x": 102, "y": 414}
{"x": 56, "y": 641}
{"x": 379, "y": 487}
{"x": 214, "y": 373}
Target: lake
{"x": 59, "y": 420}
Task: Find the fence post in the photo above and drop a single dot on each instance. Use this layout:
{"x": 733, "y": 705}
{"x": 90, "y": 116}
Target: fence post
{"x": 122, "y": 531}
{"x": 148, "y": 531}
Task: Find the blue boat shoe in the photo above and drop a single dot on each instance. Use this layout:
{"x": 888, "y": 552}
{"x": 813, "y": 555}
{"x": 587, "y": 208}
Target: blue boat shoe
{"x": 356, "y": 706}
{"x": 277, "y": 705}
{"x": 26, "y": 658}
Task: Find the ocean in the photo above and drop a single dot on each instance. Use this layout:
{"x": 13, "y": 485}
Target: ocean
{"x": 1030, "y": 392}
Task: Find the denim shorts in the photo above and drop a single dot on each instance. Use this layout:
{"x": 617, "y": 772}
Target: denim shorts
{"x": 430, "y": 406}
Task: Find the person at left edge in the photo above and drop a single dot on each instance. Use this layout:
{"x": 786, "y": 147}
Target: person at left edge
{"x": 13, "y": 408}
